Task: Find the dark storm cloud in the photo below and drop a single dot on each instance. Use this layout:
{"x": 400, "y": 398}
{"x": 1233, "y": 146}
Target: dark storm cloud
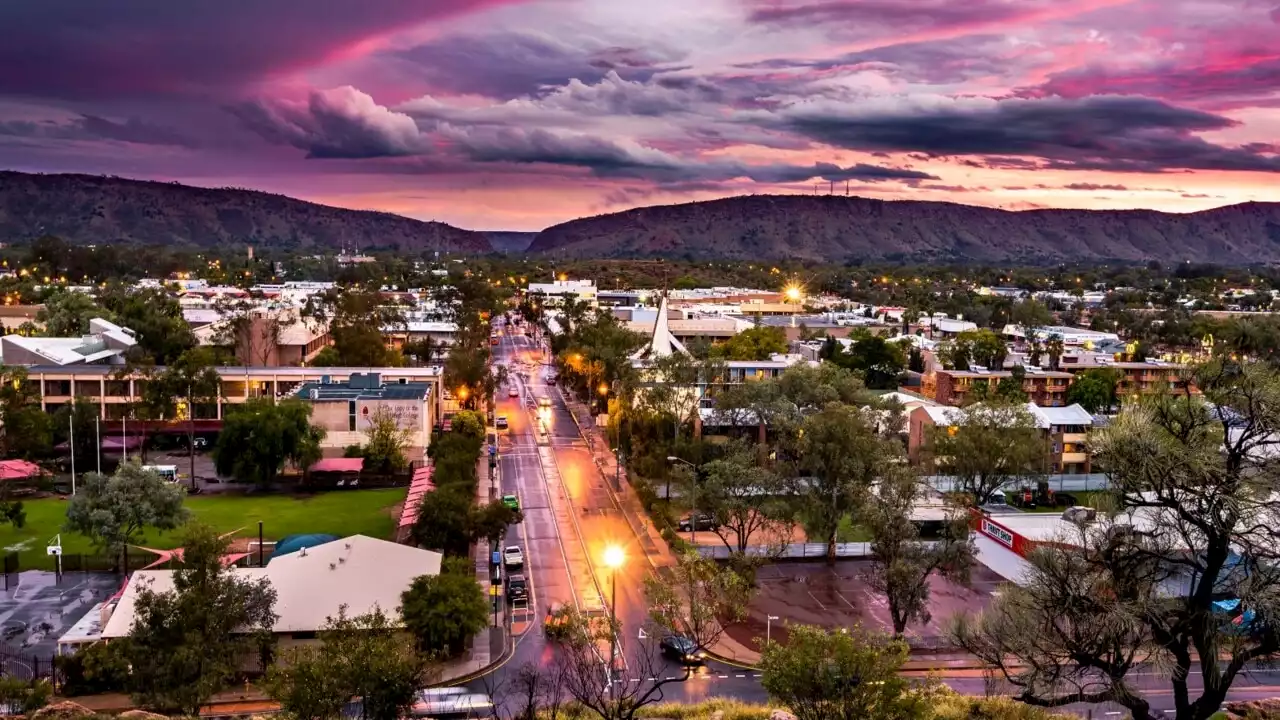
{"x": 92, "y": 127}
{"x": 511, "y": 65}
{"x": 128, "y": 48}
{"x": 1125, "y": 134}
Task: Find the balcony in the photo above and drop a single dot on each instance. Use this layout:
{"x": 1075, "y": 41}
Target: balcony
{"x": 1075, "y": 458}
{"x": 1075, "y": 437}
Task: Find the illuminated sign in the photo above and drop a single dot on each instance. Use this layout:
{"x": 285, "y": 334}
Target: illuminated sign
{"x": 997, "y": 533}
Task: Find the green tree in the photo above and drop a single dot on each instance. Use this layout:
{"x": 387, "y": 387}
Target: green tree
{"x": 745, "y": 498}
{"x": 841, "y": 675}
{"x": 67, "y": 313}
{"x": 113, "y": 511}
{"x": 697, "y": 598}
{"x": 901, "y": 563}
{"x": 358, "y": 320}
{"x": 443, "y": 612}
{"x": 25, "y": 430}
{"x": 878, "y": 361}
{"x": 188, "y": 643}
{"x": 155, "y": 316}
{"x": 988, "y": 446}
{"x": 78, "y": 418}
{"x": 470, "y": 423}
{"x": 365, "y": 657}
{"x": 384, "y": 453}
{"x": 1094, "y": 389}
{"x": 1195, "y": 477}
{"x": 259, "y": 437}
{"x": 444, "y": 521}
{"x": 840, "y": 455}
{"x": 757, "y": 343}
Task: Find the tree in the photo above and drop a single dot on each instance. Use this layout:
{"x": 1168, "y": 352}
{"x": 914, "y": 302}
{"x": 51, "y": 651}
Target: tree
{"x": 696, "y": 598}
{"x": 259, "y": 437}
{"x": 744, "y": 497}
{"x": 878, "y": 361}
{"x": 384, "y": 453}
{"x": 443, "y": 612}
{"x": 988, "y": 446}
{"x": 78, "y": 418}
{"x": 594, "y": 686}
{"x": 841, "y": 675}
{"x": 444, "y": 521}
{"x": 1054, "y": 349}
{"x": 113, "y": 511}
{"x": 840, "y": 455}
{"x": 365, "y": 657}
{"x": 901, "y": 563}
{"x": 188, "y": 643}
{"x": 757, "y": 343}
{"x": 915, "y": 360}
{"x": 359, "y": 319}
{"x": 1183, "y": 577}
{"x": 1094, "y": 389}
{"x": 192, "y": 378}
{"x": 67, "y": 313}
{"x": 155, "y": 316}
{"x": 1031, "y": 315}
{"x": 25, "y": 430}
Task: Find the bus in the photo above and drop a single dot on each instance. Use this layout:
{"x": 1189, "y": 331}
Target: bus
{"x": 453, "y": 702}
{"x": 168, "y": 472}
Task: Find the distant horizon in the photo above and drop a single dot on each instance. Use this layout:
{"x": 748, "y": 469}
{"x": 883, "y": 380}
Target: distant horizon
{"x": 520, "y": 114}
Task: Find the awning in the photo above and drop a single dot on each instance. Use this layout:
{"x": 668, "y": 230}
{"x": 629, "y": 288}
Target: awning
{"x": 18, "y": 469}
{"x": 338, "y": 465}
{"x": 1004, "y": 562}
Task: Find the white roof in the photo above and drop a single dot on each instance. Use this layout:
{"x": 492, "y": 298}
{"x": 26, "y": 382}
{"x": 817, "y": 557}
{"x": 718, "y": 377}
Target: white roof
{"x": 359, "y": 572}
{"x": 1069, "y": 415}
{"x": 1001, "y": 560}
{"x": 662, "y": 343}
{"x": 907, "y": 400}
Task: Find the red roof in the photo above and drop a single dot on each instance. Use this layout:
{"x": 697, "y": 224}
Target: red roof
{"x": 339, "y": 465}
{"x": 18, "y": 469}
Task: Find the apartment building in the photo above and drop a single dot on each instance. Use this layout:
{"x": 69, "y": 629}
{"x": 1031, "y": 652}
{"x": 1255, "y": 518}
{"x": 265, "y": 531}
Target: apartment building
{"x": 114, "y": 391}
{"x": 1047, "y": 388}
{"x": 1064, "y": 430}
{"x": 268, "y": 336}
{"x": 1147, "y": 377}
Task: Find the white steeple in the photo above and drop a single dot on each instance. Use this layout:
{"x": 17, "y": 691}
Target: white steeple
{"x": 663, "y": 343}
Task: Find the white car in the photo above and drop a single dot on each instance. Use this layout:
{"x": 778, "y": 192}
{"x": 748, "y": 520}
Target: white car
{"x": 513, "y": 556}
{"x": 513, "y": 391}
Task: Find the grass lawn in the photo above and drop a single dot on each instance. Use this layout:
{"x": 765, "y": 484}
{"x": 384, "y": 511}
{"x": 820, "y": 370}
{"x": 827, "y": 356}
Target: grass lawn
{"x": 363, "y": 512}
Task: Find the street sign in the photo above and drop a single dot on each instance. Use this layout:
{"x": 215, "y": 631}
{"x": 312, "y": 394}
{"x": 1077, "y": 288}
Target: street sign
{"x": 493, "y": 450}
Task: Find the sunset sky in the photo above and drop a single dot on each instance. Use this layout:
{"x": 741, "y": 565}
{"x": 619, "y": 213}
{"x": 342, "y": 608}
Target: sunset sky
{"x": 518, "y": 114}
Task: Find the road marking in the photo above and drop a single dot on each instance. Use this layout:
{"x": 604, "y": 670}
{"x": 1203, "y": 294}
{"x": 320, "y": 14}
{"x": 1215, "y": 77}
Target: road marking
{"x": 815, "y": 599}
{"x": 846, "y": 600}
{"x": 739, "y": 676}
{"x": 1113, "y": 712}
{"x": 722, "y": 676}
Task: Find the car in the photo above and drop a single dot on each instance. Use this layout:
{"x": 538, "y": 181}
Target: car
{"x": 698, "y": 521}
{"x": 513, "y": 391}
{"x": 511, "y": 501}
{"x": 517, "y": 588}
{"x": 513, "y": 556}
{"x": 501, "y": 422}
{"x": 682, "y": 649}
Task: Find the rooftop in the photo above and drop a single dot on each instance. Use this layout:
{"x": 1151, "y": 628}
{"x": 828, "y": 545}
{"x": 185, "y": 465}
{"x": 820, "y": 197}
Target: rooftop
{"x": 363, "y": 386}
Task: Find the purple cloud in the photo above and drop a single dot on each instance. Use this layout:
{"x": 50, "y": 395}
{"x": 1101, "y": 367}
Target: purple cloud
{"x": 338, "y": 123}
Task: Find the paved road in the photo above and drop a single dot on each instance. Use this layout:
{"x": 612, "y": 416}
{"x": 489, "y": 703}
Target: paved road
{"x": 570, "y": 517}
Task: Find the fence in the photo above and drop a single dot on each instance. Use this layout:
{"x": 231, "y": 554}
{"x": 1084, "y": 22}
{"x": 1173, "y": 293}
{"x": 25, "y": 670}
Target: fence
{"x": 28, "y": 667}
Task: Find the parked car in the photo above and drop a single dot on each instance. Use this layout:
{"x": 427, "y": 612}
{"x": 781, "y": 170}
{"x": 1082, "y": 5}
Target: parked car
{"x": 682, "y": 650}
{"x": 513, "y": 556}
{"x": 511, "y": 501}
{"x": 517, "y": 588}
{"x": 501, "y": 422}
{"x": 698, "y": 521}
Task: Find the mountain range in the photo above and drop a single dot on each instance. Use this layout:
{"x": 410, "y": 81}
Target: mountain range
{"x": 95, "y": 209}
{"x": 85, "y": 209}
{"x": 840, "y": 229}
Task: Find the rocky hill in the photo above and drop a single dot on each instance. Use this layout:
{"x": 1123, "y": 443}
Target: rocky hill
{"x": 94, "y": 209}
{"x": 837, "y": 229}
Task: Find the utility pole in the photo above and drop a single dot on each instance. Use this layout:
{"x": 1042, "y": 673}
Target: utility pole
{"x": 71, "y": 429}
{"x": 97, "y": 436}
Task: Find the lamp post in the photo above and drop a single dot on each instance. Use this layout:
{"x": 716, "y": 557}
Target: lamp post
{"x": 614, "y": 557}
{"x": 768, "y": 627}
{"x": 693, "y": 515}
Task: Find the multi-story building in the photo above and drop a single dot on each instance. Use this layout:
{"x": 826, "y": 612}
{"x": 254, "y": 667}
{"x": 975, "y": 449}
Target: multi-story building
{"x": 1064, "y": 430}
{"x": 554, "y": 293}
{"x": 1047, "y": 388}
{"x": 267, "y": 336}
{"x": 1147, "y": 377}
{"x": 346, "y": 410}
{"x": 105, "y": 344}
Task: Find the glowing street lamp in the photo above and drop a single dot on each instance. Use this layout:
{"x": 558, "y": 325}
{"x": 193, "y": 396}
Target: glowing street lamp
{"x": 614, "y": 558}
{"x": 793, "y": 293}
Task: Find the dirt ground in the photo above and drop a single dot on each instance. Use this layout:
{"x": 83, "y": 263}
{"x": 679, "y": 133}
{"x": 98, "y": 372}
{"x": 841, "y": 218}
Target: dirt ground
{"x": 838, "y": 596}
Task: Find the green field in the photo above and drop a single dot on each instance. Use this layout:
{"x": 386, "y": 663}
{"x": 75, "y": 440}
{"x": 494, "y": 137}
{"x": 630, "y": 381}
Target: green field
{"x": 362, "y": 512}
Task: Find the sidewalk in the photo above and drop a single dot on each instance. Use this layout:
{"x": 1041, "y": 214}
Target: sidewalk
{"x": 648, "y": 538}
{"x": 734, "y": 652}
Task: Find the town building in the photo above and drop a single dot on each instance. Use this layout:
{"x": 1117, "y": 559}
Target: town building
{"x": 1046, "y": 388}
{"x": 313, "y": 584}
{"x": 1070, "y": 336}
{"x": 554, "y": 293}
{"x": 346, "y": 410}
{"x": 1146, "y": 377}
{"x": 106, "y": 344}
{"x": 1064, "y": 430}
{"x": 268, "y": 336}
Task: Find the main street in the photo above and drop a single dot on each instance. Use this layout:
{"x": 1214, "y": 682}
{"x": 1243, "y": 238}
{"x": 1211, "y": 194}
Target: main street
{"x": 571, "y": 516}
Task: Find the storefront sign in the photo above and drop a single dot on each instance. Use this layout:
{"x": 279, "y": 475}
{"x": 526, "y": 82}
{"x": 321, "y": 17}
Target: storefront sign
{"x": 997, "y": 533}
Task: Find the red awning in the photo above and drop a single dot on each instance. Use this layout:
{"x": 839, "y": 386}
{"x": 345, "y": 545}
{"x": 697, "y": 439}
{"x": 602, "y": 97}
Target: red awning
{"x": 339, "y": 465}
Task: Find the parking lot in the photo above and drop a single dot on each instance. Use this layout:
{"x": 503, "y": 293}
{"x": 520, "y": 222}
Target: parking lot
{"x": 839, "y": 596}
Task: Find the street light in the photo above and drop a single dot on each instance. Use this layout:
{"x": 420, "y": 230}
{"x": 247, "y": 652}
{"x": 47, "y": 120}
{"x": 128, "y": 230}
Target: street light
{"x": 674, "y": 459}
{"x": 693, "y": 501}
{"x": 614, "y": 557}
{"x": 768, "y": 627}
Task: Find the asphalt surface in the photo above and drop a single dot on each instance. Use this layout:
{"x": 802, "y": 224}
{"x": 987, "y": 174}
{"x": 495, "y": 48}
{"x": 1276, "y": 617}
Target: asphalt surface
{"x": 570, "y": 518}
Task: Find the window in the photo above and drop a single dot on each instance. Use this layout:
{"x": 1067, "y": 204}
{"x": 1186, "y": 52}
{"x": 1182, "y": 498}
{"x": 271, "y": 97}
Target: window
{"x": 351, "y": 415}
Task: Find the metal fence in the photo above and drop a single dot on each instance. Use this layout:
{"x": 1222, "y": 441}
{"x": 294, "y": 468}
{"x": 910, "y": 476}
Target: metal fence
{"x": 28, "y": 667}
